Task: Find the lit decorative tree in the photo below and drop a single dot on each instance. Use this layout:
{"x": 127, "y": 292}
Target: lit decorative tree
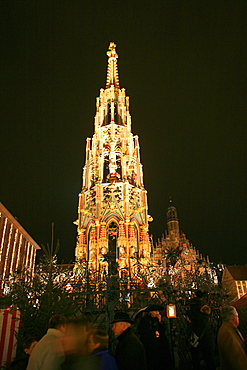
{"x": 47, "y": 293}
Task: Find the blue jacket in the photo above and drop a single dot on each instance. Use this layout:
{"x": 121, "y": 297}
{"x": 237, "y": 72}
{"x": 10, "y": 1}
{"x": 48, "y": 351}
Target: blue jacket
{"x": 104, "y": 360}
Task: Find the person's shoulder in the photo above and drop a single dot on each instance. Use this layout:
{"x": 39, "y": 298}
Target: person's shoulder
{"x": 131, "y": 333}
{"x": 106, "y": 355}
{"x": 108, "y": 362}
{"x": 134, "y": 338}
{"x": 127, "y": 335}
{"x": 226, "y": 326}
{"x": 226, "y": 331}
{"x": 54, "y": 333}
{"x": 103, "y": 352}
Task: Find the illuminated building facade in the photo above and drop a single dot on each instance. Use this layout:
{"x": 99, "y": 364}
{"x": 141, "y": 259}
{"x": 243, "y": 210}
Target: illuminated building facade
{"x": 17, "y": 248}
{"x": 174, "y": 246}
{"x": 113, "y": 215}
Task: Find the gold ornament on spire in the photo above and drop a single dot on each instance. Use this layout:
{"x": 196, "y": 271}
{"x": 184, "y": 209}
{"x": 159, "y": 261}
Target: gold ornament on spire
{"x": 112, "y": 69}
{"x": 112, "y": 52}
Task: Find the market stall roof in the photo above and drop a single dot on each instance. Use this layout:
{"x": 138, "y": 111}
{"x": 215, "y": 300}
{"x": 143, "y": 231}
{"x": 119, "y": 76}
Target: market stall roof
{"x": 241, "y": 302}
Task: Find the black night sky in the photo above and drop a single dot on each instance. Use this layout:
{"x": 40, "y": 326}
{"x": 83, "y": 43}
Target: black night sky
{"x": 183, "y": 64}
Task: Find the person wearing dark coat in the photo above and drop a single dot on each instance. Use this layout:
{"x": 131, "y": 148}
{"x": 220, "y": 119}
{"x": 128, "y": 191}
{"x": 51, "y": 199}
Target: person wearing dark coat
{"x": 201, "y": 326}
{"x": 153, "y": 336}
{"x": 130, "y": 353}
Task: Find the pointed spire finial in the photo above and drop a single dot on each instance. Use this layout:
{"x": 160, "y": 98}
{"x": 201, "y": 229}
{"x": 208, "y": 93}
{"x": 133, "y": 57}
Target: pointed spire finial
{"x": 112, "y": 69}
{"x": 112, "y": 52}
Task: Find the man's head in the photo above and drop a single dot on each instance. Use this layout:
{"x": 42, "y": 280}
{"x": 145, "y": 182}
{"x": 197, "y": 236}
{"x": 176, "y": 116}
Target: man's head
{"x": 76, "y": 335}
{"x": 97, "y": 339}
{"x": 29, "y": 345}
{"x": 154, "y": 310}
{"x": 120, "y": 323}
{"x": 230, "y": 314}
{"x": 119, "y": 327}
{"x": 79, "y": 327}
{"x": 58, "y": 322}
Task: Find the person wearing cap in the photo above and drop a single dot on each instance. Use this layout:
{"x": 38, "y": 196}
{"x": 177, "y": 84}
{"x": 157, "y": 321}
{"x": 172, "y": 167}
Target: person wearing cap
{"x": 130, "y": 353}
{"x": 153, "y": 336}
{"x": 231, "y": 344}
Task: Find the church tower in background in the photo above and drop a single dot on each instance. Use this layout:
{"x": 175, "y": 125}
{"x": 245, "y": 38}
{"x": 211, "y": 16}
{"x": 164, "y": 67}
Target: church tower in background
{"x": 112, "y": 225}
{"x": 174, "y": 245}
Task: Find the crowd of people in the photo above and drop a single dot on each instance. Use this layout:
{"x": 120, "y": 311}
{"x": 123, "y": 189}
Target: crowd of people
{"x": 77, "y": 345}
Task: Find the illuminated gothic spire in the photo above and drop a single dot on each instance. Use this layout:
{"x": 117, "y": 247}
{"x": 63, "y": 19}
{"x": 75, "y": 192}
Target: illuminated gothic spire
{"x": 113, "y": 209}
{"x": 112, "y": 69}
